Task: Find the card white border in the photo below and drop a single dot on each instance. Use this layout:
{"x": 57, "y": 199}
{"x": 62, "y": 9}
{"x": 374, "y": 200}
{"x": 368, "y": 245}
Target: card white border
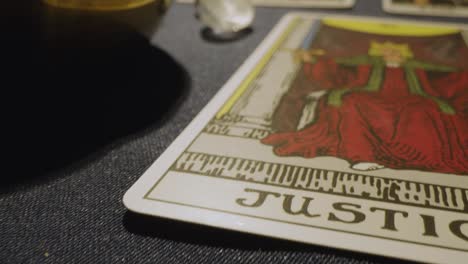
{"x": 135, "y": 202}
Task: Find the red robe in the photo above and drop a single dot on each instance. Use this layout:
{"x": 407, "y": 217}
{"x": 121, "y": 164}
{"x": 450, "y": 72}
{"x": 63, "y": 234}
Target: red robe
{"x": 389, "y": 126}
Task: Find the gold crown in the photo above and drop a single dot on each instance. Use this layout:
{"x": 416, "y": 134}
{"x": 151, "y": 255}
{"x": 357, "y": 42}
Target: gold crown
{"x": 376, "y": 48}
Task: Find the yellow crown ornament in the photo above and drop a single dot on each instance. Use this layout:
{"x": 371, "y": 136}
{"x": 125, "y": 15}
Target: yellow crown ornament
{"x": 380, "y": 49}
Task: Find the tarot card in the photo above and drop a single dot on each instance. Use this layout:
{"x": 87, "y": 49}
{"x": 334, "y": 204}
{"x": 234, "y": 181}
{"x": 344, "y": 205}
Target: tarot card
{"x": 299, "y": 3}
{"x": 427, "y": 7}
{"x": 347, "y": 132}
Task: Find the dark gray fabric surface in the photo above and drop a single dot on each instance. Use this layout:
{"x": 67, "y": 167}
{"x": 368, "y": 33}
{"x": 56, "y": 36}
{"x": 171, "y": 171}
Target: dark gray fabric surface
{"x": 74, "y": 214}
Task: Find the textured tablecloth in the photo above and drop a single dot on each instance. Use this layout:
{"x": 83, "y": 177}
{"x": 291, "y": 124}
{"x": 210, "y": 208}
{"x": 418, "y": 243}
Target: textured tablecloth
{"x": 73, "y": 213}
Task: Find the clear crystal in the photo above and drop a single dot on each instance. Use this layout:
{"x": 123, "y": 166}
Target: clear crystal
{"x": 225, "y": 16}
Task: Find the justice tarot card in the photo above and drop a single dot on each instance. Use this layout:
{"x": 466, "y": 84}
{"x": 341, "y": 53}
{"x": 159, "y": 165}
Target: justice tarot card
{"x": 348, "y": 132}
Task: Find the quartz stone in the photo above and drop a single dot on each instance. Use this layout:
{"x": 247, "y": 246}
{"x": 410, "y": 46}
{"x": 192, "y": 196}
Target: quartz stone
{"x": 225, "y": 17}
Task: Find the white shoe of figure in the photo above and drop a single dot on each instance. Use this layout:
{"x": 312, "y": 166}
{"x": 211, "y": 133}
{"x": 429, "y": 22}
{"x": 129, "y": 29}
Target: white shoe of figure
{"x": 367, "y": 166}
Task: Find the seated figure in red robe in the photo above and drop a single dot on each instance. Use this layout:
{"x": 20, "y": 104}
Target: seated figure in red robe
{"x": 384, "y": 109}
